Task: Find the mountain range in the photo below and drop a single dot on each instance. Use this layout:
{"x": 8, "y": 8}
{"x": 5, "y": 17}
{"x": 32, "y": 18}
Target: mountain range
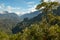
{"x": 9, "y": 20}
{"x": 12, "y": 23}
{"x": 27, "y": 22}
{"x": 30, "y": 15}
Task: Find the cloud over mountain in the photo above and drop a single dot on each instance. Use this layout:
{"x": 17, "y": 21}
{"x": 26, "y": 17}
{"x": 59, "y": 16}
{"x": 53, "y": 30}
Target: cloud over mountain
{"x": 18, "y": 10}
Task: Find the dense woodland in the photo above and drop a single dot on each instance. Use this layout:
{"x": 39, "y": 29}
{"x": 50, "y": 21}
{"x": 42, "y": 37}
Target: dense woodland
{"x": 46, "y": 27}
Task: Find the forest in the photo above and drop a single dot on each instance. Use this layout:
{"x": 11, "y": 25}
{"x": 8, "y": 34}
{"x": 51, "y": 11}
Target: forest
{"x": 46, "y": 27}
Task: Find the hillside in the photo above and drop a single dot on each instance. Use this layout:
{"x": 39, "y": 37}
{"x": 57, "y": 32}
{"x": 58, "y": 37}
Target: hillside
{"x": 29, "y": 15}
{"x": 37, "y": 31}
{"x": 28, "y": 22}
{"x": 8, "y": 21}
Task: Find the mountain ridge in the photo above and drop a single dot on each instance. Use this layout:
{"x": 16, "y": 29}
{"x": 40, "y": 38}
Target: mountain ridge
{"x": 37, "y": 18}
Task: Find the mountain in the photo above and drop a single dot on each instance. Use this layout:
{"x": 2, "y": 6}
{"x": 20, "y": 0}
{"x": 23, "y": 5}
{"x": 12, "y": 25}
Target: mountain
{"x": 12, "y": 23}
{"x": 29, "y": 15}
{"x": 27, "y": 22}
{"x": 8, "y": 21}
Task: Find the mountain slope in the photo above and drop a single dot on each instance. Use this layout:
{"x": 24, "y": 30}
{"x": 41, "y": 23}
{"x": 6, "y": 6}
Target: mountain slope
{"x": 8, "y": 21}
{"x": 29, "y": 15}
{"x": 26, "y": 22}
{"x": 37, "y": 18}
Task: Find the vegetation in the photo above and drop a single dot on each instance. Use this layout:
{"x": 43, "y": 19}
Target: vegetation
{"x": 41, "y": 30}
{"x": 37, "y": 31}
{"x": 47, "y": 8}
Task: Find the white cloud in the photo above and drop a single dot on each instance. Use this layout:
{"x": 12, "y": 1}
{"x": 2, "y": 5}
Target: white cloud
{"x": 18, "y": 10}
{"x": 30, "y": 3}
{"x": 11, "y": 9}
{"x": 0, "y": 6}
{"x": 24, "y": 11}
{"x": 20, "y": 13}
{"x": 1, "y": 12}
{"x": 8, "y": 8}
{"x": 45, "y": 0}
{"x": 32, "y": 9}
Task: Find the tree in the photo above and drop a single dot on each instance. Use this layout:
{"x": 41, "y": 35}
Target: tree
{"x": 54, "y": 32}
{"x": 47, "y": 8}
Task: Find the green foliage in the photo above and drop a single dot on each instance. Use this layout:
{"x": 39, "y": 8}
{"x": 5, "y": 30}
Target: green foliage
{"x": 38, "y": 30}
{"x": 47, "y": 8}
{"x": 3, "y": 36}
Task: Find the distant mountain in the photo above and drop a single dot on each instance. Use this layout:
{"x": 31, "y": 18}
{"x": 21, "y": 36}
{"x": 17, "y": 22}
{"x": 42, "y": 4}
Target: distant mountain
{"x": 29, "y": 15}
{"x": 8, "y": 21}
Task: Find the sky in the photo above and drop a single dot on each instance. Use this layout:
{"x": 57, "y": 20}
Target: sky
{"x": 19, "y": 7}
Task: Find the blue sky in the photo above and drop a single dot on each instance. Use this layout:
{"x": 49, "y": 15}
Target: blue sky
{"x": 18, "y": 6}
